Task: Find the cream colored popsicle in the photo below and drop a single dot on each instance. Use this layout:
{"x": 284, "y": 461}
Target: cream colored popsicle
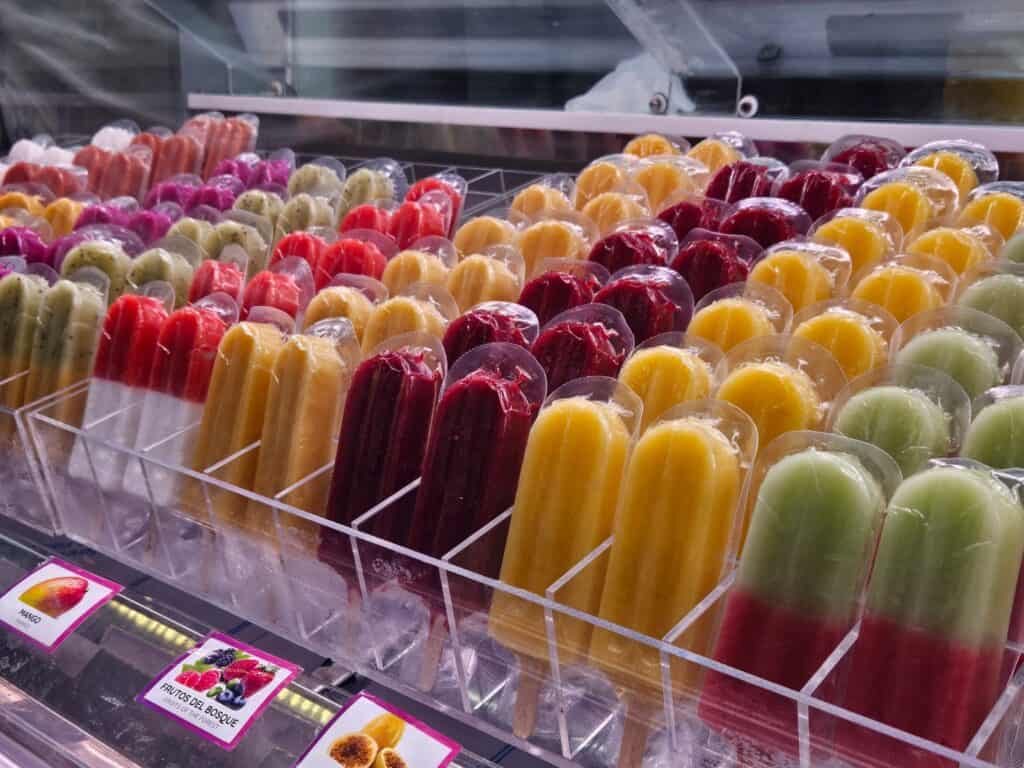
{"x": 482, "y": 232}
{"x": 480, "y": 278}
{"x": 412, "y": 266}
{"x": 402, "y": 314}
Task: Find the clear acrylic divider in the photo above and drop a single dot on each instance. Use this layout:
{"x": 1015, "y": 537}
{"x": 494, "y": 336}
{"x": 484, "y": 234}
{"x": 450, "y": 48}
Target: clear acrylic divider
{"x": 355, "y": 595}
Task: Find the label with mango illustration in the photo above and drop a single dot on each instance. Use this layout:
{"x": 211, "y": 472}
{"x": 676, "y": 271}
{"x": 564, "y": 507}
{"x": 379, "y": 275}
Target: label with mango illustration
{"x": 370, "y": 733}
{"x": 52, "y": 601}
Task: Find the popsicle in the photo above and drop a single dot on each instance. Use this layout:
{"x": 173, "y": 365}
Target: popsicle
{"x": 537, "y": 199}
{"x": 767, "y": 220}
{"x": 451, "y": 186}
{"x": 319, "y": 177}
{"x": 20, "y": 298}
{"x": 855, "y": 333}
{"x": 178, "y": 154}
{"x": 693, "y": 212}
{"x": 482, "y": 232}
{"x": 15, "y": 199}
{"x": 152, "y": 225}
{"x": 993, "y": 437}
{"x": 350, "y": 256}
{"x": 552, "y": 238}
{"x": 590, "y": 340}
{"x": 488, "y": 323}
{"x": 180, "y": 190}
{"x": 602, "y": 175}
{"x": 802, "y": 567}
{"x": 216, "y": 276}
{"x": 562, "y": 284}
{"x": 108, "y": 257}
{"x": 384, "y": 433}
{"x": 1000, "y": 205}
{"x": 234, "y": 412}
{"x": 864, "y": 235}
{"x": 227, "y": 138}
{"x": 798, "y": 273}
{"x": 649, "y": 144}
{"x": 716, "y": 153}
{"x": 402, "y": 314}
{"x": 248, "y": 238}
{"x": 610, "y": 209}
{"x": 745, "y": 178}
{"x": 199, "y": 232}
{"x": 349, "y": 301}
{"x": 365, "y": 185}
{"x": 648, "y": 242}
{"x": 967, "y": 163}
{"x": 903, "y": 421}
{"x": 367, "y": 216}
{"x": 415, "y": 266}
{"x": 926, "y": 638}
{"x": 915, "y": 196}
{"x": 1000, "y": 294}
{"x": 708, "y": 261}
{"x": 307, "y": 246}
{"x": 564, "y": 507}
{"x": 62, "y": 214}
{"x": 24, "y": 242}
{"x": 160, "y": 264}
{"x": 653, "y": 299}
{"x": 1013, "y": 250}
{"x": 304, "y": 212}
{"x": 126, "y": 174}
{"x": 819, "y": 190}
{"x": 485, "y": 277}
{"x": 287, "y": 286}
{"x": 666, "y": 371}
{"x": 959, "y": 248}
{"x": 663, "y": 177}
{"x": 415, "y": 220}
{"x": 104, "y": 213}
{"x": 261, "y": 203}
{"x": 738, "y": 312}
{"x": 870, "y": 155}
{"x": 308, "y": 387}
{"x": 903, "y": 288}
{"x": 970, "y": 359}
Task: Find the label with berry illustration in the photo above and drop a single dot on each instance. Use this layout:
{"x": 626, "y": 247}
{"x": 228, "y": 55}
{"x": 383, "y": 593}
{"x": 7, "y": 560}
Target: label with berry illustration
{"x": 219, "y": 688}
{"x": 52, "y": 601}
{"x": 369, "y": 732}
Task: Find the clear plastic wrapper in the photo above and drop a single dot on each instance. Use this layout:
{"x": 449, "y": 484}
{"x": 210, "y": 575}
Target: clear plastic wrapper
{"x": 180, "y": 188}
{"x": 180, "y": 153}
{"x": 62, "y": 214}
{"x": 381, "y": 180}
{"x": 651, "y": 144}
{"x": 548, "y": 195}
{"x": 430, "y": 215}
{"x": 427, "y": 260}
{"x": 490, "y": 322}
{"x": 737, "y": 312}
{"x": 925, "y": 636}
{"x": 105, "y": 255}
{"x": 669, "y": 369}
{"x": 111, "y": 233}
{"x": 219, "y": 193}
{"x": 720, "y": 149}
{"x": 818, "y": 502}
{"x": 819, "y": 188}
{"x": 756, "y": 177}
{"x": 609, "y": 210}
{"x": 358, "y": 252}
{"x": 225, "y": 274}
{"x": 368, "y": 216}
{"x": 160, "y": 264}
{"x": 199, "y": 231}
{"x": 321, "y": 177}
{"x": 224, "y": 138}
{"x": 635, "y": 242}
{"x": 993, "y": 437}
{"x": 153, "y": 137}
{"x": 653, "y": 299}
{"x": 272, "y": 171}
{"x": 308, "y": 246}
{"x": 29, "y": 150}
{"x": 561, "y": 284}
{"x": 562, "y": 236}
{"x": 115, "y": 136}
{"x": 482, "y": 232}
{"x": 782, "y": 382}
{"x": 11, "y": 264}
{"x": 912, "y": 412}
{"x": 918, "y": 198}
{"x": 804, "y": 272}
{"x": 117, "y": 174}
{"x": 870, "y": 155}
{"x": 352, "y": 297}
{"x": 286, "y": 286}
{"x": 421, "y": 307}
{"x": 710, "y": 260}
{"x": 605, "y": 174}
{"x": 855, "y": 332}
{"x": 967, "y": 163}
{"x": 974, "y": 348}
{"x": 589, "y": 340}
{"x": 868, "y": 236}
{"x": 260, "y": 202}
{"x": 999, "y": 204}
{"x": 244, "y": 235}
{"x": 995, "y": 288}
{"x": 664, "y": 176}
{"x": 766, "y": 220}
{"x": 905, "y": 285}
{"x": 961, "y": 249}
{"x": 303, "y": 212}
{"x": 686, "y": 211}
{"x": 451, "y": 185}
{"x": 495, "y": 274}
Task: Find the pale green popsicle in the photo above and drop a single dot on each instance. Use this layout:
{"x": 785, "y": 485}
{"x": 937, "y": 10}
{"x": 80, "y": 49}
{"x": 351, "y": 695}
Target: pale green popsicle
{"x": 107, "y": 257}
{"x": 364, "y": 186}
{"x": 969, "y": 359}
{"x": 262, "y": 203}
{"x": 1014, "y": 248}
{"x": 251, "y": 241}
{"x": 1001, "y": 296}
{"x": 811, "y": 533}
{"x": 949, "y": 556}
{"x": 302, "y": 212}
{"x": 905, "y": 423}
{"x": 160, "y": 264}
{"x": 199, "y": 232}
{"x": 996, "y": 436}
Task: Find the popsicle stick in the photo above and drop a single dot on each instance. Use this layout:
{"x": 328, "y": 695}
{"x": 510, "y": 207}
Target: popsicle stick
{"x": 432, "y": 650}
{"x": 532, "y": 673}
{"x": 635, "y": 731}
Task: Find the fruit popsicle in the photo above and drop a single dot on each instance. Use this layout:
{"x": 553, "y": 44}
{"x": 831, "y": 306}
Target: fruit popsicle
{"x": 612, "y": 209}
{"x": 993, "y": 437}
{"x": 870, "y": 155}
{"x": 414, "y": 220}
{"x": 966, "y": 163}
{"x": 234, "y": 412}
{"x": 683, "y": 547}
{"x": 488, "y": 323}
{"x": 496, "y": 275}
{"x": 352, "y": 297}
{"x": 323, "y": 176}
{"x": 260, "y": 202}
{"x": 126, "y": 174}
{"x": 591, "y": 340}
{"x": 287, "y": 286}
{"x": 767, "y": 220}
{"x": 451, "y": 186}
{"x": 653, "y": 299}
{"x": 819, "y": 188}
{"x": 670, "y": 369}
{"x": 419, "y": 265}
{"x": 360, "y": 252}
{"x": 482, "y": 232}
{"x": 540, "y": 199}
{"x": 709, "y": 260}
{"x": 246, "y": 237}
{"x": 178, "y": 154}
{"x": 108, "y": 257}
{"x": 562, "y": 284}
{"x": 855, "y": 332}
{"x": 605, "y": 174}
{"x": 163, "y": 265}
{"x": 34, "y": 204}
{"x": 554, "y": 239}
{"x": 367, "y": 216}
{"x": 968, "y": 358}
{"x": 384, "y": 433}
{"x": 906, "y": 286}
{"x": 959, "y": 248}
{"x": 687, "y": 212}
{"x": 652, "y": 144}
{"x": 639, "y": 242}
{"x": 783, "y": 383}
{"x": 307, "y": 246}
{"x": 181, "y": 191}
{"x": 1000, "y": 205}
{"x": 62, "y": 214}
{"x": 801, "y": 572}
{"x": 925, "y": 636}
{"x": 745, "y": 178}
{"x": 24, "y": 242}
{"x": 366, "y": 185}
{"x": 308, "y": 387}
{"x": 199, "y": 232}
{"x": 303, "y": 212}
{"x": 20, "y": 298}
{"x": 665, "y": 176}
{"x": 227, "y": 138}
{"x": 867, "y": 236}
{"x": 917, "y": 197}
{"x": 805, "y": 273}
{"x": 737, "y": 312}
{"x": 721, "y": 149}
{"x": 217, "y": 276}
{"x": 997, "y": 291}
{"x": 471, "y": 467}
{"x": 104, "y": 213}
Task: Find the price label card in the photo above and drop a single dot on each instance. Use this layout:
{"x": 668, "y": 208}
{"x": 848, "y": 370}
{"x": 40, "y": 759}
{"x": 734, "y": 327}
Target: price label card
{"x": 369, "y": 731}
{"x": 52, "y": 601}
{"x": 219, "y": 688}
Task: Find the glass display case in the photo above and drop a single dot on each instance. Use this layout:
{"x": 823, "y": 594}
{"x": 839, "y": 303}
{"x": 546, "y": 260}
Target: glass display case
{"x": 251, "y": 255}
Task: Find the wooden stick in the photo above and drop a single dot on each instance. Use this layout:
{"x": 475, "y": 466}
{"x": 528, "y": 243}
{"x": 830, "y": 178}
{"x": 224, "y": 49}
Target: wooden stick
{"x": 432, "y": 650}
{"x": 532, "y": 674}
{"x": 635, "y": 731}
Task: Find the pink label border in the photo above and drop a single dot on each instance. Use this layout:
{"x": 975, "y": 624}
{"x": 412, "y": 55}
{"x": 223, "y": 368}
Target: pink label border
{"x": 293, "y": 671}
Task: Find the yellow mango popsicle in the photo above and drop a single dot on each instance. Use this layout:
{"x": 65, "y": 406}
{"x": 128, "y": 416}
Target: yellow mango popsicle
{"x": 1002, "y": 211}
{"x": 778, "y": 397}
{"x": 735, "y": 313}
{"x": 234, "y": 412}
{"x": 537, "y": 199}
{"x": 411, "y": 266}
{"x": 715, "y": 154}
{"x": 650, "y": 144}
{"x": 597, "y": 178}
{"x": 904, "y": 202}
{"x": 552, "y": 239}
{"x": 610, "y": 209}
{"x": 480, "y": 278}
{"x": 852, "y": 337}
{"x": 482, "y": 232}
{"x": 959, "y": 248}
{"x": 665, "y": 375}
{"x": 797, "y": 275}
{"x": 340, "y": 301}
{"x": 402, "y": 314}
{"x": 62, "y": 215}
{"x": 663, "y": 177}
{"x": 866, "y": 241}
{"x": 31, "y": 203}
{"x": 901, "y": 288}
{"x": 954, "y": 166}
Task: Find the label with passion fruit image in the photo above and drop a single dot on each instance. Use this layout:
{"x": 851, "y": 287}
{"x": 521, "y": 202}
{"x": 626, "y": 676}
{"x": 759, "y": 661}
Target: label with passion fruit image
{"x": 219, "y": 688}
{"x": 370, "y": 733}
